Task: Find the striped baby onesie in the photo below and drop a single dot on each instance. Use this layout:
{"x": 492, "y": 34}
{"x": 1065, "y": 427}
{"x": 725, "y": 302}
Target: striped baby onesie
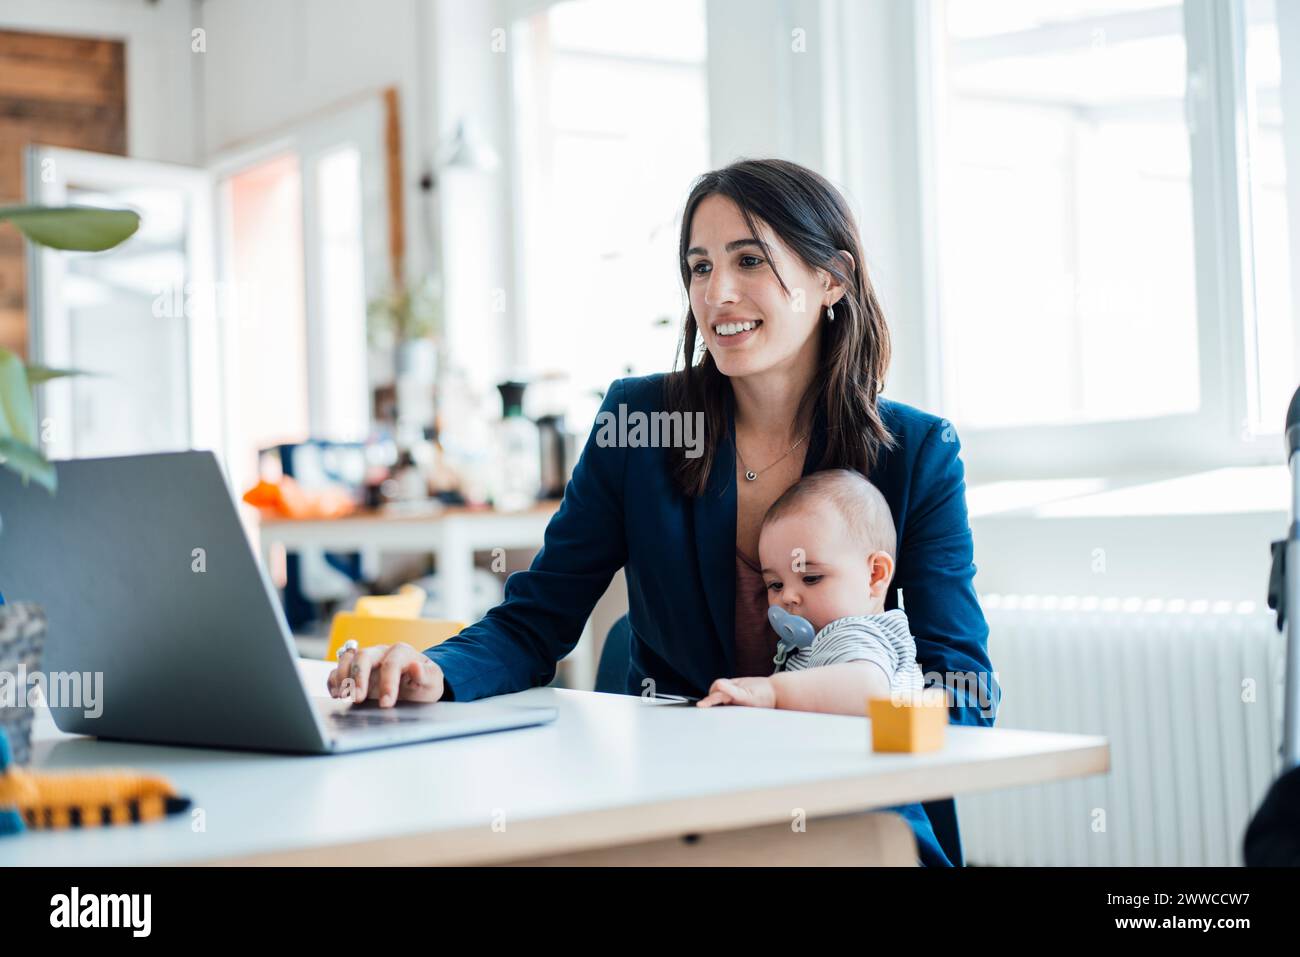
{"x": 884, "y": 639}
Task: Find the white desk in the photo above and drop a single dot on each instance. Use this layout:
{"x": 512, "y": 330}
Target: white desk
{"x": 610, "y": 773}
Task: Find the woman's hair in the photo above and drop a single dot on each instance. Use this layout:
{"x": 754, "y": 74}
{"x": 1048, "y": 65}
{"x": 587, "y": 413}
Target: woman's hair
{"x": 813, "y": 220}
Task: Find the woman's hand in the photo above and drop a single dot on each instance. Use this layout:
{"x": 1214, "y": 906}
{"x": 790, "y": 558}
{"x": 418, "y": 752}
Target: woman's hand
{"x": 751, "y": 692}
{"x": 387, "y": 672}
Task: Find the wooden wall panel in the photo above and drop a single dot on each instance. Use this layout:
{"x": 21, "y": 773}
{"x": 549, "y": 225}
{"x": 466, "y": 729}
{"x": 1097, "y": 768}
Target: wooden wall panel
{"x": 55, "y": 91}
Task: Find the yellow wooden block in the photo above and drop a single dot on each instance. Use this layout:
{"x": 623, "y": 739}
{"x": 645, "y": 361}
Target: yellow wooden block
{"x": 908, "y": 724}
{"x": 407, "y": 603}
{"x": 371, "y": 630}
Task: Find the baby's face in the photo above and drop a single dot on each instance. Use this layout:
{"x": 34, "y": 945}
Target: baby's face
{"x": 815, "y": 568}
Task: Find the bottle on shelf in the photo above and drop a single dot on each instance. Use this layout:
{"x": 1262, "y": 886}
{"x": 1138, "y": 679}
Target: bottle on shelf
{"x": 516, "y": 474}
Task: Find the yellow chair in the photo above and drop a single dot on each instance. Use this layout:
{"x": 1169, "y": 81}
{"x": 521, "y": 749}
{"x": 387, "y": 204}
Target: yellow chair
{"x": 407, "y": 603}
{"x": 388, "y": 619}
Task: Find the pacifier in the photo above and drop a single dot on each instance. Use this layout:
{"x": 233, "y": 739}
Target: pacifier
{"x": 793, "y": 630}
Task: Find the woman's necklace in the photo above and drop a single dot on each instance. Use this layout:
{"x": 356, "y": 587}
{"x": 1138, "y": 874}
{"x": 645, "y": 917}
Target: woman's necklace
{"x": 750, "y": 474}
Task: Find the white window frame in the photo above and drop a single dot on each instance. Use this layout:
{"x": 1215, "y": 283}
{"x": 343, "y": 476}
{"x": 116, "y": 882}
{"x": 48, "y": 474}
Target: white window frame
{"x": 1217, "y": 433}
{"x": 50, "y": 335}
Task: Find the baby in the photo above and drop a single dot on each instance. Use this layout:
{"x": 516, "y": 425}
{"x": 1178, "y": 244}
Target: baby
{"x": 827, "y": 551}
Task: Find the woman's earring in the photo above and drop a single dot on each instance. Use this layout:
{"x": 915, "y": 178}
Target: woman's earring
{"x": 830, "y": 313}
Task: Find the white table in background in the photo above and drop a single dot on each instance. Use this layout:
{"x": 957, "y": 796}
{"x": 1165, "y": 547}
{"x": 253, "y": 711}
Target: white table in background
{"x": 452, "y": 536}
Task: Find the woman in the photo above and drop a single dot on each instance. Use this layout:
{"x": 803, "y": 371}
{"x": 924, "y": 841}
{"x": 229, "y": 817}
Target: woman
{"x": 783, "y": 354}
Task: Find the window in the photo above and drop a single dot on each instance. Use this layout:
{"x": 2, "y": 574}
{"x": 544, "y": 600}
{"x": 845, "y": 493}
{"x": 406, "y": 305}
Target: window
{"x": 1112, "y": 260}
{"x": 133, "y": 316}
{"x": 1274, "y": 330}
{"x": 303, "y": 245}
{"x": 342, "y": 294}
{"x": 137, "y": 399}
{"x": 611, "y": 129}
{"x": 265, "y": 266}
{"x": 1067, "y": 214}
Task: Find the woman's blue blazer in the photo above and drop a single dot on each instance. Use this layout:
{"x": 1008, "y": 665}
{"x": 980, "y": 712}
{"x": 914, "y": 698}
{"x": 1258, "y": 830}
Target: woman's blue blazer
{"x": 621, "y": 510}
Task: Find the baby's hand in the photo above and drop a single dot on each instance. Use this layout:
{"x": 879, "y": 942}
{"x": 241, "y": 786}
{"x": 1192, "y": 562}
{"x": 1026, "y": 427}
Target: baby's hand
{"x": 750, "y": 692}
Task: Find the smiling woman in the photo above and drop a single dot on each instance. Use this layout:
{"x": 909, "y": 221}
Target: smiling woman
{"x": 793, "y": 349}
{"x": 775, "y": 241}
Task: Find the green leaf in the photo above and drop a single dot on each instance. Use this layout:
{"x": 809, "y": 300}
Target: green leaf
{"x": 28, "y": 462}
{"x": 38, "y": 374}
{"x": 17, "y": 412}
{"x": 83, "y": 228}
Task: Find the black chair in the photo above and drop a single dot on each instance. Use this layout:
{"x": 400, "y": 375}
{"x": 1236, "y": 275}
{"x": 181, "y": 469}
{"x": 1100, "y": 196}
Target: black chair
{"x": 611, "y": 676}
{"x": 615, "y": 655}
{"x": 1273, "y": 837}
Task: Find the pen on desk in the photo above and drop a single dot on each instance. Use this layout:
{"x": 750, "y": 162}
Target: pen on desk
{"x": 675, "y": 699}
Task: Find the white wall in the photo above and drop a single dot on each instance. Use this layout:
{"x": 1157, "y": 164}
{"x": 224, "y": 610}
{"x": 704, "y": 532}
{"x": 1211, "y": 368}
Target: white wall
{"x": 471, "y": 80}
{"x": 272, "y": 64}
{"x": 1216, "y": 557}
{"x": 881, "y": 117}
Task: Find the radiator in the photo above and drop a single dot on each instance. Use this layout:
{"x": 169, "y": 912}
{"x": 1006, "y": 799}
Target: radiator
{"x": 1189, "y": 693}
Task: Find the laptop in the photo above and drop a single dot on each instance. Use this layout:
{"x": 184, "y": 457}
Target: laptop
{"x": 152, "y": 590}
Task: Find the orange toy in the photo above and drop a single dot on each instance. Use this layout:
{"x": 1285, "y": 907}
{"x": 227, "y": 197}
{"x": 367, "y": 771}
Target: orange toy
{"x": 909, "y": 723}
{"x": 287, "y": 499}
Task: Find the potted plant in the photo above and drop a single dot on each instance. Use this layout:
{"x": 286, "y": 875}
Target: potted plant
{"x": 405, "y": 324}
{"x": 22, "y": 625}
{"x": 407, "y": 321}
